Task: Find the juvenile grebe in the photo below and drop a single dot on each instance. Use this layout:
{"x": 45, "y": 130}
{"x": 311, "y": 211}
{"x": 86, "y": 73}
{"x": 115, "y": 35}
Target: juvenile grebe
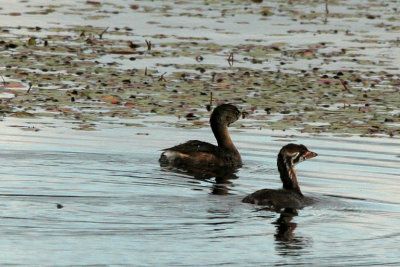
{"x": 290, "y": 195}
{"x": 200, "y": 155}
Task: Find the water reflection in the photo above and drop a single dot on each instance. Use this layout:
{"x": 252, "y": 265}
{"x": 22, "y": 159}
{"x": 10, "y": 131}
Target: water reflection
{"x": 222, "y": 184}
{"x": 287, "y": 243}
{"x": 222, "y": 178}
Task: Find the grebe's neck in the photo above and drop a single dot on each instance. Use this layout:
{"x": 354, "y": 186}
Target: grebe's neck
{"x": 288, "y": 174}
{"x": 221, "y": 133}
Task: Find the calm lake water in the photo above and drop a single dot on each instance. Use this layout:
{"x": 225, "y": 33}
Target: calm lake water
{"x": 120, "y": 207}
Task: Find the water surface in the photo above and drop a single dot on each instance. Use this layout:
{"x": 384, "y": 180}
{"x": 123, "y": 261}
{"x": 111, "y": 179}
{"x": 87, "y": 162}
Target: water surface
{"x": 120, "y": 207}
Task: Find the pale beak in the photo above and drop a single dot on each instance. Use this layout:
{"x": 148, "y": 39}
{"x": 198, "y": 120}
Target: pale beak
{"x": 310, "y": 154}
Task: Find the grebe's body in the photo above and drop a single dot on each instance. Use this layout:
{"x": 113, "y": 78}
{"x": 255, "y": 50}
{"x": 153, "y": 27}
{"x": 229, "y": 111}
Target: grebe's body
{"x": 290, "y": 195}
{"x": 200, "y": 155}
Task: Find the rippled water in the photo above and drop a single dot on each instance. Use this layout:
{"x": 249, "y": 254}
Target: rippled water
{"x": 120, "y": 207}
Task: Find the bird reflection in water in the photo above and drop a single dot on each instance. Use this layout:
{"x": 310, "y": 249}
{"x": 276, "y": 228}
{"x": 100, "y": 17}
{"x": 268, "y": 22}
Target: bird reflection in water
{"x": 222, "y": 184}
{"x": 222, "y": 177}
{"x": 287, "y": 243}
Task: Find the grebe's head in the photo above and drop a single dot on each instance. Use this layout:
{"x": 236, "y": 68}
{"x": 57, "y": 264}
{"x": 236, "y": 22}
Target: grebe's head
{"x": 226, "y": 114}
{"x": 294, "y": 153}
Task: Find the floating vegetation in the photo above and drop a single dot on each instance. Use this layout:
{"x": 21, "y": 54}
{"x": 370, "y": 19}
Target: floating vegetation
{"x": 298, "y": 76}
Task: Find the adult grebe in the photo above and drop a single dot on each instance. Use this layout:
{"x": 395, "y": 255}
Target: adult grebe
{"x": 290, "y": 195}
{"x": 200, "y": 155}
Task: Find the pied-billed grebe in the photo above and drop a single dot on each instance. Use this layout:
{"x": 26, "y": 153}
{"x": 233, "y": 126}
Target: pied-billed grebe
{"x": 200, "y": 155}
{"x": 290, "y": 195}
